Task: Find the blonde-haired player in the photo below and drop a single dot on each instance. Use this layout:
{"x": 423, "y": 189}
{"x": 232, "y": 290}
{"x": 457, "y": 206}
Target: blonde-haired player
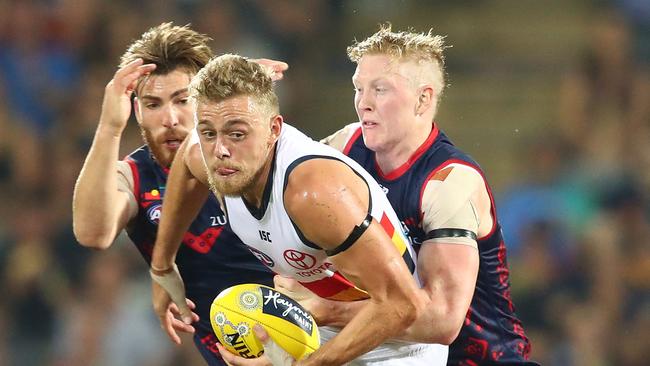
{"x": 439, "y": 193}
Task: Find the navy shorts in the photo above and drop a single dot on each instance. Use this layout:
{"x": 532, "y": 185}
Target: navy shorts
{"x": 206, "y": 343}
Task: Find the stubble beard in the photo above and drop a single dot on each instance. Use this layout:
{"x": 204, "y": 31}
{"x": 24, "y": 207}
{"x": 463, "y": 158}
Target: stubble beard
{"x": 156, "y": 150}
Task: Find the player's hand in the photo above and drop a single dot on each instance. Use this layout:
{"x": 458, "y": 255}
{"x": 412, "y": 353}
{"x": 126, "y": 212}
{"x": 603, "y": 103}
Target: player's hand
{"x": 169, "y": 315}
{"x": 273, "y": 353}
{"x": 173, "y": 309}
{"x": 234, "y": 360}
{"x": 116, "y": 107}
{"x": 314, "y": 304}
{"x": 277, "y": 68}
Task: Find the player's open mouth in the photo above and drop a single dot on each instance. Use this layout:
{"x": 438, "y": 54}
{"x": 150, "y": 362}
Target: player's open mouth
{"x": 173, "y": 143}
{"x": 368, "y": 124}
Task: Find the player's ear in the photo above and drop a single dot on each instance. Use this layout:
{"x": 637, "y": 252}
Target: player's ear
{"x": 426, "y": 98}
{"x": 276, "y": 126}
{"x": 136, "y": 110}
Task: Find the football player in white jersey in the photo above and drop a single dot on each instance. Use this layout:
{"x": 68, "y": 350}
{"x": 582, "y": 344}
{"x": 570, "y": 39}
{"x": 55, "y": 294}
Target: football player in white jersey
{"x": 305, "y": 198}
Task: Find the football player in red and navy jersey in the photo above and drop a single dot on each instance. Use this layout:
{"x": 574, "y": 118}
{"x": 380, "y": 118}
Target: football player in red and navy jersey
{"x": 112, "y": 195}
{"x": 440, "y": 194}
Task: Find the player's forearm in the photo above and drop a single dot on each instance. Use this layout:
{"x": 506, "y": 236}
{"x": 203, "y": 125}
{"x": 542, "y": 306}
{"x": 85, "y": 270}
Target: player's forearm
{"x": 338, "y": 313}
{"x": 448, "y": 273}
{"x": 184, "y": 197}
{"x": 374, "y": 323}
{"x": 95, "y": 217}
{"x": 439, "y": 323}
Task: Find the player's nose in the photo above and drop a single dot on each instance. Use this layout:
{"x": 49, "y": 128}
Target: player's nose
{"x": 171, "y": 117}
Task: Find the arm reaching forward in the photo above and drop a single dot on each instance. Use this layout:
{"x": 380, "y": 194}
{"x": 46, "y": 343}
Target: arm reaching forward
{"x": 184, "y": 197}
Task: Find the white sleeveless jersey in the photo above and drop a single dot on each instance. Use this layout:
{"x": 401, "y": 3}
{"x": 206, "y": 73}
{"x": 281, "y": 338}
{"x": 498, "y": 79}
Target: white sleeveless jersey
{"x": 277, "y": 242}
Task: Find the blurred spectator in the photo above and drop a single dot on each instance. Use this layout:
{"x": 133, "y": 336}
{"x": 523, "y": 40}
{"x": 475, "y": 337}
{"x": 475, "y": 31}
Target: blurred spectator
{"x": 36, "y": 65}
{"x": 110, "y": 322}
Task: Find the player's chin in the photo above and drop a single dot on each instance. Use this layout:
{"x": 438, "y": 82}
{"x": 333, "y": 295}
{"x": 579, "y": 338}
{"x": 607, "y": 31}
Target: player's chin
{"x": 372, "y": 141}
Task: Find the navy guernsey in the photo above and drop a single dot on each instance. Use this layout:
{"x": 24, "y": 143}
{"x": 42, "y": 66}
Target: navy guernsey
{"x": 211, "y": 257}
{"x": 491, "y": 332}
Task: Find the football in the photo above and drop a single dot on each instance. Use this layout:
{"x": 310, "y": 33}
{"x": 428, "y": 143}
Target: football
{"x": 237, "y": 309}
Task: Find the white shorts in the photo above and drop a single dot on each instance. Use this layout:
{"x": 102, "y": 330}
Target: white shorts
{"x": 397, "y": 353}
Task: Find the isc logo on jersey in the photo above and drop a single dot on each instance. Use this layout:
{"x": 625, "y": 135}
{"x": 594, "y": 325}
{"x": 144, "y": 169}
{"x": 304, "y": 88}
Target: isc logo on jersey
{"x": 237, "y": 309}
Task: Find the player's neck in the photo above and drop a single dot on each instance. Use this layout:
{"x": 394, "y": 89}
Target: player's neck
{"x": 396, "y": 155}
{"x": 255, "y": 195}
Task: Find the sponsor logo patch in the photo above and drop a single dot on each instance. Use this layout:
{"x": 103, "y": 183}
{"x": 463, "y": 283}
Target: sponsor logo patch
{"x": 299, "y": 260}
{"x": 283, "y": 307}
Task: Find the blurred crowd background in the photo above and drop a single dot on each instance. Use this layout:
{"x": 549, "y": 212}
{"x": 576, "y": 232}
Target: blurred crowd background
{"x": 551, "y": 97}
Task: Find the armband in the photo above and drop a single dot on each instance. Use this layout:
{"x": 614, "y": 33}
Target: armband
{"x": 450, "y": 233}
{"x": 352, "y": 238}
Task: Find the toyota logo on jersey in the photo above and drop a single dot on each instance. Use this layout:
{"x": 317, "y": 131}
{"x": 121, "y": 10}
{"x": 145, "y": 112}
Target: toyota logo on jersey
{"x": 299, "y": 260}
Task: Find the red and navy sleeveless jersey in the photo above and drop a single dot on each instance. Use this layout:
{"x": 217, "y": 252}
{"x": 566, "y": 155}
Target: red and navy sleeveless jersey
{"x": 491, "y": 333}
{"x": 211, "y": 257}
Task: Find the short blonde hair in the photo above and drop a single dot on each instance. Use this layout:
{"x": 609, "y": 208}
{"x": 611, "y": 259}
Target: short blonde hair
{"x": 231, "y": 75}
{"x": 423, "y": 48}
{"x": 170, "y": 47}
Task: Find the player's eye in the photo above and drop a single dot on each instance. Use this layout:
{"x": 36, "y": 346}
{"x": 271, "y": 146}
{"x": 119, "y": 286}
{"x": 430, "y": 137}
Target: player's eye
{"x": 208, "y": 135}
{"x": 236, "y": 135}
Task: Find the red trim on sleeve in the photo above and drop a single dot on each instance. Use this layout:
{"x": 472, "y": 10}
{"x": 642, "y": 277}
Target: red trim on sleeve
{"x": 387, "y": 225}
{"x": 487, "y": 187}
{"x": 398, "y": 172}
{"x": 353, "y": 139}
{"x": 136, "y": 179}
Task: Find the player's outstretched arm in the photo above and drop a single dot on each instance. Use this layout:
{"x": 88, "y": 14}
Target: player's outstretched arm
{"x": 185, "y": 194}
{"x": 184, "y": 197}
{"x": 326, "y": 200}
{"x": 99, "y": 209}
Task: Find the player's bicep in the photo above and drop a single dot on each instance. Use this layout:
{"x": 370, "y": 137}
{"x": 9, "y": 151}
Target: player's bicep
{"x": 326, "y": 200}
{"x": 449, "y": 208}
{"x": 449, "y": 271}
{"x": 373, "y": 263}
{"x": 126, "y": 202}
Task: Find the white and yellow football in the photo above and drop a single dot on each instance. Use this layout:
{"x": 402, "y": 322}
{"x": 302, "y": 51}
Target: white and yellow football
{"x": 237, "y": 309}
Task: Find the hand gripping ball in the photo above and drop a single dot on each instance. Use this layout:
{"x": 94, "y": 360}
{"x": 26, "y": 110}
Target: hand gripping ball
{"x": 237, "y": 309}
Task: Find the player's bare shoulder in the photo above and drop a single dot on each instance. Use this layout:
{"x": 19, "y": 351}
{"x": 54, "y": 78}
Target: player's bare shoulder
{"x": 341, "y": 138}
{"x": 193, "y": 158}
{"x": 326, "y": 198}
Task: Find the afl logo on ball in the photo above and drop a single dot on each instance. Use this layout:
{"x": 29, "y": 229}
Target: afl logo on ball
{"x": 153, "y": 213}
{"x": 299, "y": 260}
